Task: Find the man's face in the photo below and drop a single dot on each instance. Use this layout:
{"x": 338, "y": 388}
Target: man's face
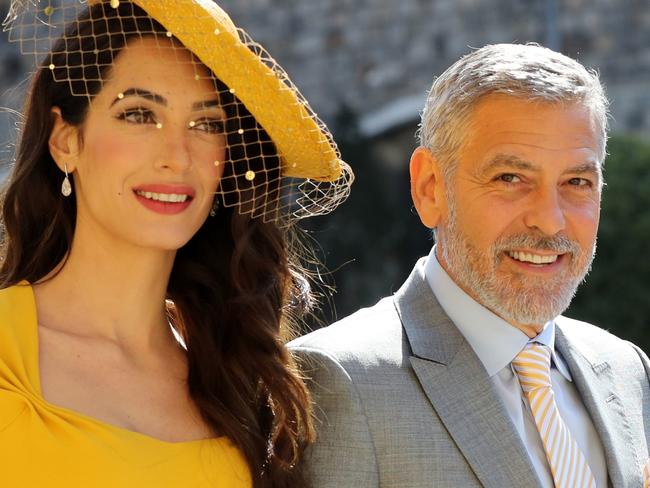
{"x": 518, "y": 232}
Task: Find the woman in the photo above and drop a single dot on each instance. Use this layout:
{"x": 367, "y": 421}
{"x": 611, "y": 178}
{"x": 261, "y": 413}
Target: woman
{"x": 147, "y": 271}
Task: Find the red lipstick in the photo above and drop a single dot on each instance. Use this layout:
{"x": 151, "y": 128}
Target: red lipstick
{"x": 165, "y": 199}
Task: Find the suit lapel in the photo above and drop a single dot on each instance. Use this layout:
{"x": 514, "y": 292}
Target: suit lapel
{"x": 597, "y": 385}
{"x": 460, "y": 389}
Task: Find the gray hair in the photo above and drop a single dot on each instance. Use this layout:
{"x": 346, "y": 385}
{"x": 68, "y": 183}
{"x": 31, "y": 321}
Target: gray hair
{"x": 527, "y": 71}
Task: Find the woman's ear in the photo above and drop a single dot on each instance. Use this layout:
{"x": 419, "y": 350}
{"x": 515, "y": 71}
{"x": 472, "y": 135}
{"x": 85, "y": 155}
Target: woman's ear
{"x": 427, "y": 187}
{"x": 63, "y": 142}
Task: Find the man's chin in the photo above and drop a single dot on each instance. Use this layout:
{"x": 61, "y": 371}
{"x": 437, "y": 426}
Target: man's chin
{"x": 534, "y": 307}
{"x": 532, "y": 301}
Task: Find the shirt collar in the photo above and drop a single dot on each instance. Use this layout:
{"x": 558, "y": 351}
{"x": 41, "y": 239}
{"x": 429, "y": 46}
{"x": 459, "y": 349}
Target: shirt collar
{"x": 547, "y": 337}
{"x": 495, "y": 341}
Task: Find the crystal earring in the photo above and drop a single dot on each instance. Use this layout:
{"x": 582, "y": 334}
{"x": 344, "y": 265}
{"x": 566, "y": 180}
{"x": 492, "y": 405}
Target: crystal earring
{"x": 215, "y": 207}
{"x": 66, "y": 187}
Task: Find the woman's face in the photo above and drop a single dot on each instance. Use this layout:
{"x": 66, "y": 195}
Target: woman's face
{"x": 145, "y": 172}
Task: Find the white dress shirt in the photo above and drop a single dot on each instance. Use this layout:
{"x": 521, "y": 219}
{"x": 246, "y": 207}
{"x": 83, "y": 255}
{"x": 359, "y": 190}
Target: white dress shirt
{"x": 496, "y": 343}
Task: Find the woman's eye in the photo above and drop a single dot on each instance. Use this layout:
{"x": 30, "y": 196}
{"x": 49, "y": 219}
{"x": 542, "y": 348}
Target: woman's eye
{"x": 509, "y": 178}
{"x": 138, "y": 115}
{"x": 209, "y": 126}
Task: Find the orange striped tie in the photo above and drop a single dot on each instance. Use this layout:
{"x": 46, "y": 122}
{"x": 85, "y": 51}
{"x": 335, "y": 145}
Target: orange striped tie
{"x": 568, "y": 464}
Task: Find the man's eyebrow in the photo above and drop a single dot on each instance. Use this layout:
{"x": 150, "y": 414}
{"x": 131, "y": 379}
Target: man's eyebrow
{"x": 508, "y": 161}
{"x": 588, "y": 167}
{"x": 140, "y": 92}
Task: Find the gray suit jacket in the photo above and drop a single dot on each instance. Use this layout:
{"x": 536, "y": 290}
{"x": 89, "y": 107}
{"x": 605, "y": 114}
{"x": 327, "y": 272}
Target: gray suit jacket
{"x": 403, "y": 401}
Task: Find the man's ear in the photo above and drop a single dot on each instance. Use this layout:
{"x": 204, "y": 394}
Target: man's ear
{"x": 427, "y": 187}
{"x": 63, "y": 142}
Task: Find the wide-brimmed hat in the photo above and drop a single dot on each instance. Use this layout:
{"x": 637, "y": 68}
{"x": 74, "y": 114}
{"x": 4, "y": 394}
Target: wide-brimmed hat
{"x": 315, "y": 180}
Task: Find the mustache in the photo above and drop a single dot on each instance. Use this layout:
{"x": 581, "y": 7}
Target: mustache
{"x": 559, "y": 244}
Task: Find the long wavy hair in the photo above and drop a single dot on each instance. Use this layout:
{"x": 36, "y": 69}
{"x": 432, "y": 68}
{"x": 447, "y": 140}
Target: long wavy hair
{"x": 234, "y": 286}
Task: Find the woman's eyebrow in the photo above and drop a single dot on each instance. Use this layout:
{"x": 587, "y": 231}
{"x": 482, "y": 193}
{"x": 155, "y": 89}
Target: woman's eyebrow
{"x": 142, "y": 93}
{"x": 205, "y": 104}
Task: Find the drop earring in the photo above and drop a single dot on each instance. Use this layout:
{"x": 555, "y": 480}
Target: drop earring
{"x": 215, "y": 207}
{"x": 66, "y": 187}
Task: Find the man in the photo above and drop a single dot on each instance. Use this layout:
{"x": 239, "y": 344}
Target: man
{"x": 469, "y": 376}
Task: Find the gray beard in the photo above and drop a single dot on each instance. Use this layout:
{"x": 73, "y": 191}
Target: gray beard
{"x": 517, "y": 298}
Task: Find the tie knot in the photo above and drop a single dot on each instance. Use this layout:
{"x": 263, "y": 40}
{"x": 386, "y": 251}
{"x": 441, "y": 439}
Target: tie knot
{"x": 533, "y": 366}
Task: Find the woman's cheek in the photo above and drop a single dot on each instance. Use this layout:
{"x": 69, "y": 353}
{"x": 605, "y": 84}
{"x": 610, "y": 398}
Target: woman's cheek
{"x": 115, "y": 152}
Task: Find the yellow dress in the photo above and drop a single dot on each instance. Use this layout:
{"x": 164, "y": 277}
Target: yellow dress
{"x": 42, "y": 445}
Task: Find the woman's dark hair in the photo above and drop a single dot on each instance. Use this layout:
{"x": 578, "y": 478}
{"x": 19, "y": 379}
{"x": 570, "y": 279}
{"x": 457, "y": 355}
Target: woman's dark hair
{"x": 232, "y": 286}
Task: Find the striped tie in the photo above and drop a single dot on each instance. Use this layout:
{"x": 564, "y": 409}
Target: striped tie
{"x": 568, "y": 465}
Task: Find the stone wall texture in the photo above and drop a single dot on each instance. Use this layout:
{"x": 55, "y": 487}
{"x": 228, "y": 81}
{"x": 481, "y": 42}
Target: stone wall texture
{"x": 378, "y": 57}
{"x": 371, "y": 54}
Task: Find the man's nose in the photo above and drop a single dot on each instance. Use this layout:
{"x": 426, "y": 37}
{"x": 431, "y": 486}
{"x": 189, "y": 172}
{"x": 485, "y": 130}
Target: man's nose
{"x": 546, "y": 212}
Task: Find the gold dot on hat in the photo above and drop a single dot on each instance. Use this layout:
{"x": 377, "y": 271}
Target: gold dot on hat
{"x": 115, "y": 3}
{"x": 95, "y": 51}
{"x": 49, "y": 10}
{"x": 217, "y": 32}
{"x": 240, "y": 131}
{"x": 120, "y": 96}
{"x": 250, "y": 175}
{"x": 232, "y": 90}
{"x": 168, "y": 34}
{"x": 51, "y": 66}
{"x": 197, "y": 77}
{"x": 192, "y": 123}
{"x": 217, "y": 162}
{"x": 158, "y": 125}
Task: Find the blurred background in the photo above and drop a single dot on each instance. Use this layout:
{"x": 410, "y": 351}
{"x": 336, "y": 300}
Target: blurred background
{"x": 365, "y": 67}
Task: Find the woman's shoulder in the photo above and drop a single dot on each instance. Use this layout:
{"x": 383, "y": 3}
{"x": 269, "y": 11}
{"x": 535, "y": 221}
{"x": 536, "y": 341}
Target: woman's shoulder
{"x": 20, "y": 294}
{"x": 18, "y": 334}
{"x": 17, "y": 314}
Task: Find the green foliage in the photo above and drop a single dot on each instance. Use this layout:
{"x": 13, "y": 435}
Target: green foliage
{"x": 616, "y": 295}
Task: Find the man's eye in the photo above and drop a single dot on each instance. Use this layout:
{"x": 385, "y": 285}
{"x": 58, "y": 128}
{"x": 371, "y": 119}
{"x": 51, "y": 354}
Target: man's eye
{"x": 138, "y": 115}
{"x": 209, "y": 126}
{"x": 509, "y": 178}
{"x": 581, "y": 182}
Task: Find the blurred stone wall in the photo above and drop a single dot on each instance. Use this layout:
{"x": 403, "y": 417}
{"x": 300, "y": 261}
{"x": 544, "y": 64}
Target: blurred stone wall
{"x": 378, "y": 57}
